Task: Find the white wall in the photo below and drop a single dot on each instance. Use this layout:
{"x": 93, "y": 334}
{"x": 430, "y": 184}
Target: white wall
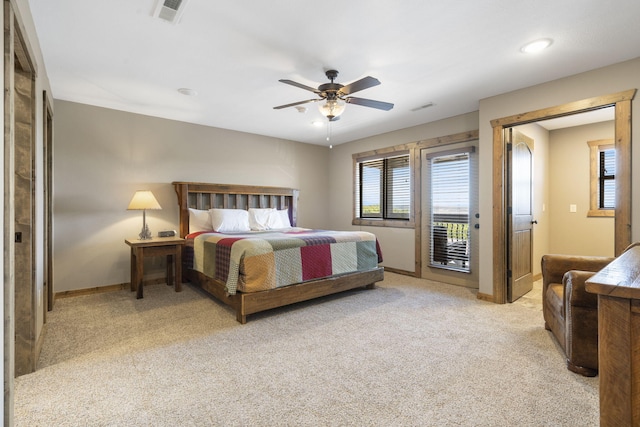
{"x": 103, "y": 156}
{"x": 604, "y": 81}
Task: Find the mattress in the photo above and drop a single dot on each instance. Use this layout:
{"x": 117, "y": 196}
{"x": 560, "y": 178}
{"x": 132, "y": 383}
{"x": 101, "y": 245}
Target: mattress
{"x": 262, "y": 260}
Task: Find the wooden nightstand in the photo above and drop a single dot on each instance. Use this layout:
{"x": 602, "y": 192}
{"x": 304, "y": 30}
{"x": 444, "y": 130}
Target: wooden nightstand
{"x": 157, "y": 246}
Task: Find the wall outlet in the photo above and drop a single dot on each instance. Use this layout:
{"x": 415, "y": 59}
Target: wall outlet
{"x": 573, "y": 208}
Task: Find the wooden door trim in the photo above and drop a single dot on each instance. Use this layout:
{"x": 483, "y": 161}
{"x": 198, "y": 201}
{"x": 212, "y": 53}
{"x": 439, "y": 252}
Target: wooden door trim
{"x": 416, "y": 150}
{"x": 622, "y": 103}
{"x": 9, "y": 214}
{"x": 47, "y": 117}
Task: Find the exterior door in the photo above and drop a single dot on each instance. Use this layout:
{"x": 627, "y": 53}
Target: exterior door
{"x": 520, "y": 214}
{"x": 449, "y": 212}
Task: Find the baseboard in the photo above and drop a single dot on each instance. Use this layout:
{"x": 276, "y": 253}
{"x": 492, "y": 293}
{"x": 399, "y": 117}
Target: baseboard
{"x": 89, "y": 291}
{"x": 398, "y": 271}
{"x": 485, "y": 297}
{"x": 107, "y": 288}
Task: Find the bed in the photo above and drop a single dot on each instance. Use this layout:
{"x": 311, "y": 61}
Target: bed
{"x": 228, "y": 283}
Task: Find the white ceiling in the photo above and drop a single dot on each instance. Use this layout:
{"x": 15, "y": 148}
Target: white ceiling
{"x": 115, "y": 54}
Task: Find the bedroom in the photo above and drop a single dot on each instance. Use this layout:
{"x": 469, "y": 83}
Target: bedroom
{"x": 102, "y": 156}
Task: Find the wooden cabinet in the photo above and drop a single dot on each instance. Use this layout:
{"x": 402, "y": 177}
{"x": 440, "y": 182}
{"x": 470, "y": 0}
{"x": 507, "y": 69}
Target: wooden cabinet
{"x": 618, "y": 289}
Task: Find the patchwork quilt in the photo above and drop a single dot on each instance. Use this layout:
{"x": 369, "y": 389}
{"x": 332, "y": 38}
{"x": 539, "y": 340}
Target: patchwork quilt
{"x": 261, "y": 260}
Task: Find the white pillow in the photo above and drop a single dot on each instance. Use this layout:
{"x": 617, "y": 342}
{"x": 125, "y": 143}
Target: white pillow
{"x": 280, "y": 219}
{"x": 228, "y": 220}
{"x": 268, "y": 219}
{"x": 259, "y": 218}
{"x": 199, "y": 220}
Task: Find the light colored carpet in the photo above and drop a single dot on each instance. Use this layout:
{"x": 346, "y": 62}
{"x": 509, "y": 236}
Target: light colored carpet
{"x": 408, "y": 353}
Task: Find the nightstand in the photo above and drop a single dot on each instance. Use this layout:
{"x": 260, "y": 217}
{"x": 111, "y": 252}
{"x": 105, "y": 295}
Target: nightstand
{"x": 171, "y": 247}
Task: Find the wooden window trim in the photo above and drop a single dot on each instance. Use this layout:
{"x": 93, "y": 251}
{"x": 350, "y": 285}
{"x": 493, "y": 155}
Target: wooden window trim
{"x": 379, "y": 154}
{"x": 594, "y": 162}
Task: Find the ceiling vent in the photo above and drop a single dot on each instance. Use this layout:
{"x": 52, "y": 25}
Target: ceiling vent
{"x": 170, "y": 10}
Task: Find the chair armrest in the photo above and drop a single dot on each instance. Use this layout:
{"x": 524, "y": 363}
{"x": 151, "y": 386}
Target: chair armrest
{"x": 575, "y": 293}
{"x": 555, "y": 266}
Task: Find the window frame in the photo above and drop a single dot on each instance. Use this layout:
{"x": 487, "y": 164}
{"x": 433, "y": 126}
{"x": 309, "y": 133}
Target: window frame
{"x": 595, "y": 148}
{"x": 358, "y": 159}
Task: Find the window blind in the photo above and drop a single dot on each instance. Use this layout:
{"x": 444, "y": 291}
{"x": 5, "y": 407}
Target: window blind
{"x": 607, "y": 178}
{"x": 450, "y": 205}
{"x": 397, "y": 187}
{"x": 384, "y": 188}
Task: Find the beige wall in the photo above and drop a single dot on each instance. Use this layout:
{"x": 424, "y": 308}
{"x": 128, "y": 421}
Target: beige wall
{"x": 397, "y": 244}
{"x": 603, "y": 81}
{"x": 332, "y": 188}
{"x": 575, "y": 233}
{"x": 103, "y": 156}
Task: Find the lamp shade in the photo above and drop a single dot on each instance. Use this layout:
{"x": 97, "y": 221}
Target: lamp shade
{"x": 143, "y": 199}
{"x": 332, "y": 108}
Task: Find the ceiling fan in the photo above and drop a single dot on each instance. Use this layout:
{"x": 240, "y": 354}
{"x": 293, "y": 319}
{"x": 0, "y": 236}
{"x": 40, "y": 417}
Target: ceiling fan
{"x": 337, "y": 95}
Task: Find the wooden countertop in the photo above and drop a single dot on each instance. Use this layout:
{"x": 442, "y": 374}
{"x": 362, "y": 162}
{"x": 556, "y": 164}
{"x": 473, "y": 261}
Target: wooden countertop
{"x": 621, "y": 278}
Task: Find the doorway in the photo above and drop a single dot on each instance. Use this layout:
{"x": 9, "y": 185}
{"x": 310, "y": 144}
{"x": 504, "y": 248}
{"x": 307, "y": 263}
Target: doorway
{"x": 622, "y": 103}
{"x": 21, "y": 297}
{"x": 449, "y": 213}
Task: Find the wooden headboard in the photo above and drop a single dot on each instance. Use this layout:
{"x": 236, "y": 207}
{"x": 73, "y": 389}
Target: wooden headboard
{"x": 198, "y": 195}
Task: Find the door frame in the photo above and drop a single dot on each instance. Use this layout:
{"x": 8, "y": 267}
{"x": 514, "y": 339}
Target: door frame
{"x": 469, "y": 278}
{"x": 47, "y": 155}
{"x": 622, "y": 103}
{"x": 419, "y": 170}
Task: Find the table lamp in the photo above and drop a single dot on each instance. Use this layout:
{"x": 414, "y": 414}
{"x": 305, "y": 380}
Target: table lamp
{"x": 143, "y": 200}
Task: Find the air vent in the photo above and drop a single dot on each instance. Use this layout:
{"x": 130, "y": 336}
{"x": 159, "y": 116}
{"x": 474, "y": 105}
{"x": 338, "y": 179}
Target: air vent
{"x": 170, "y": 10}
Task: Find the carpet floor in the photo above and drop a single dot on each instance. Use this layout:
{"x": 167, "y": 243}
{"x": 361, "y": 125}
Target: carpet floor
{"x": 410, "y": 352}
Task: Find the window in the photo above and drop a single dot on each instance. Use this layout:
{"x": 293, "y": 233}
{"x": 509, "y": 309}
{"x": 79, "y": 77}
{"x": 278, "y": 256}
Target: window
{"x": 449, "y": 174}
{"x": 383, "y": 188}
{"x": 607, "y": 179}
{"x": 602, "y": 188}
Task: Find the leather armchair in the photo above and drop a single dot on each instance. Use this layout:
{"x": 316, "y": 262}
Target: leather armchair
{"x": 570, "y": 312}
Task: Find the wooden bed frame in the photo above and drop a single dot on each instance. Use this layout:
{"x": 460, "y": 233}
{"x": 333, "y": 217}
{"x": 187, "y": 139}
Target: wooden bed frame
{"x": 207, "y": 196}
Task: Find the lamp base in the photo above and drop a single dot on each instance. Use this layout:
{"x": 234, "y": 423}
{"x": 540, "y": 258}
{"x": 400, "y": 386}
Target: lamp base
{"x": 145, "y": 234}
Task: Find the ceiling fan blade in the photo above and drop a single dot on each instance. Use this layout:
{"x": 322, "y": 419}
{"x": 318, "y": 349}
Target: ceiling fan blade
{"x": 279, "y": 107}
{"x": 361, "y": 84}
{"x": 369, "y": 103}
{"x": 300, "y": 85}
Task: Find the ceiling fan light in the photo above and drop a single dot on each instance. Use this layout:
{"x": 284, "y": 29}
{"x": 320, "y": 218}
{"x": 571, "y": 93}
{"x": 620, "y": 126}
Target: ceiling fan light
{"x": 332, "y": 108}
